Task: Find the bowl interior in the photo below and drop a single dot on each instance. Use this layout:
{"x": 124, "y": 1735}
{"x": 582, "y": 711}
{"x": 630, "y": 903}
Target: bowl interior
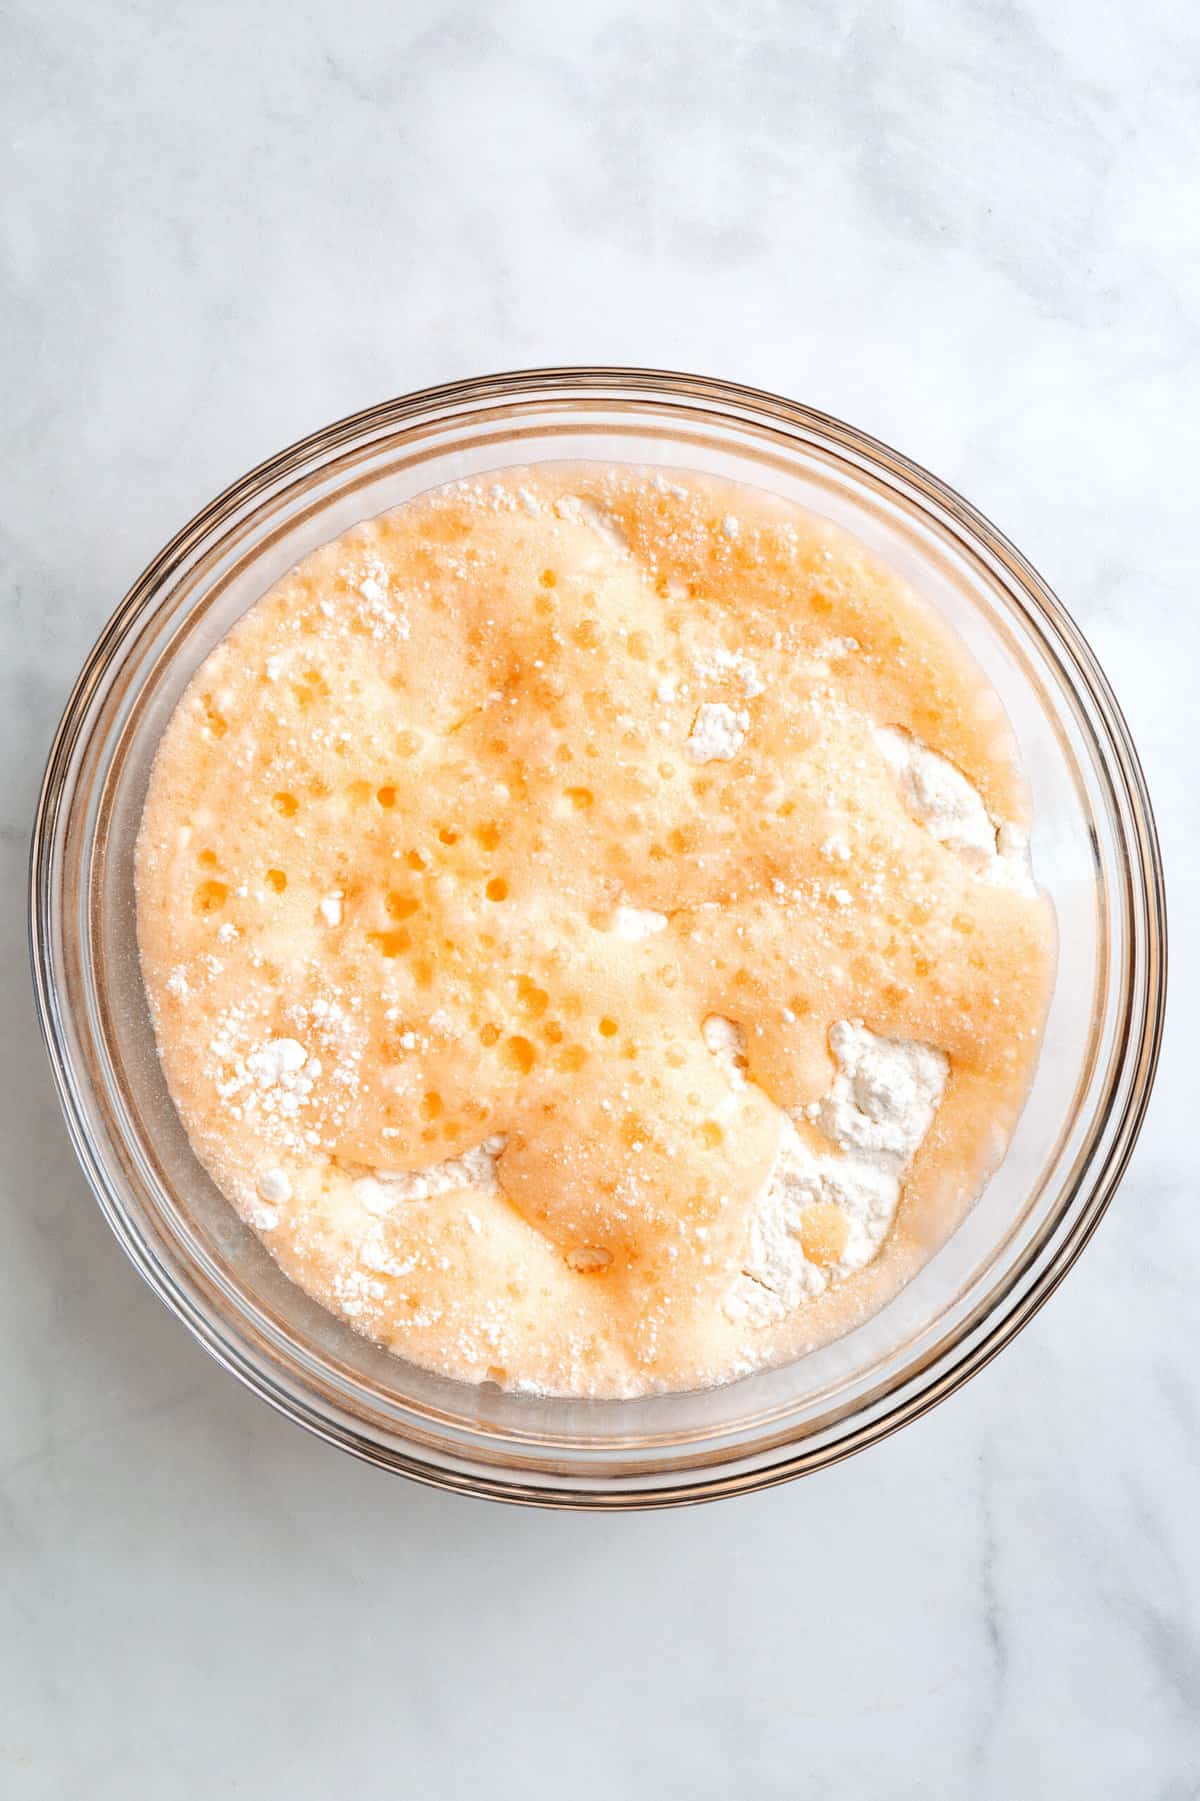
{"x": 190, "y": 1242}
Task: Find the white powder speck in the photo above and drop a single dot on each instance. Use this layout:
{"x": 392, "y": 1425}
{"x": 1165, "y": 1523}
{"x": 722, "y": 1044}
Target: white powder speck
{"x": 331, "y": 908}
{"x": 665, "y": 487}
{"x": 274, "y": 1061}
{"x": 832, "y": 650}
{"x": 731, "y": 525}
{"x": 374, "y": 1254}
{"x": 635, "y": 923}
{"x": 384, "y": 1189}
{"x": 721, "y": 662}
{"x": 877, "y": 1112}
{"x": 836, "y": 850}
{"x": 718, "y": 732}
{"x": 884, "y": 1094}
{"x": 274, "y": 1187}
{"x": 727, "y": 1043}
{"x": 941, "y": 799}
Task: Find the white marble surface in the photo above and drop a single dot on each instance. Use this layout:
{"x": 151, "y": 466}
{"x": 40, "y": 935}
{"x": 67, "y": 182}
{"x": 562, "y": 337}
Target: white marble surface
{"x": 971, "y": 229}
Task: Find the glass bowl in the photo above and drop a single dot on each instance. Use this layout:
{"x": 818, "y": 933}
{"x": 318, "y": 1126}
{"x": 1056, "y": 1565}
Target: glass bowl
{"x": 1094, "y": 850}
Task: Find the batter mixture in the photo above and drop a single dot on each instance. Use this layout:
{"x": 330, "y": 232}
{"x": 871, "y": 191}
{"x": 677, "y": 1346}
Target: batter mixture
{"x": 588, "y": 929}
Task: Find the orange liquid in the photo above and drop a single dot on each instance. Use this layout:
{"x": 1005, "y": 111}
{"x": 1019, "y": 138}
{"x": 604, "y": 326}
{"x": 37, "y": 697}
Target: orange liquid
{"x": 468, "y": 721}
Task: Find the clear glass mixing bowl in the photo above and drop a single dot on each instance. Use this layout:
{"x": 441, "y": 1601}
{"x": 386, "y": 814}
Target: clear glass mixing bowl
{"x": 1095, "y": 851}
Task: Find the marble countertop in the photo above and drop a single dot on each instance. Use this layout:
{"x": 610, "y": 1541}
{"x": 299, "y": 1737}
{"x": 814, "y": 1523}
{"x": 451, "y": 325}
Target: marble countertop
{"x": 971, "y": 230}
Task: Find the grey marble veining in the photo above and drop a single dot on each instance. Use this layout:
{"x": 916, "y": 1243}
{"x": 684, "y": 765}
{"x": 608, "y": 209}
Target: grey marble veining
{"x": 968, "y": 228}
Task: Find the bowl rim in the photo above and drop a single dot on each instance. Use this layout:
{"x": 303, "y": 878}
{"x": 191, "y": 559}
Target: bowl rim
{"x": 1090, "y": 1192}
